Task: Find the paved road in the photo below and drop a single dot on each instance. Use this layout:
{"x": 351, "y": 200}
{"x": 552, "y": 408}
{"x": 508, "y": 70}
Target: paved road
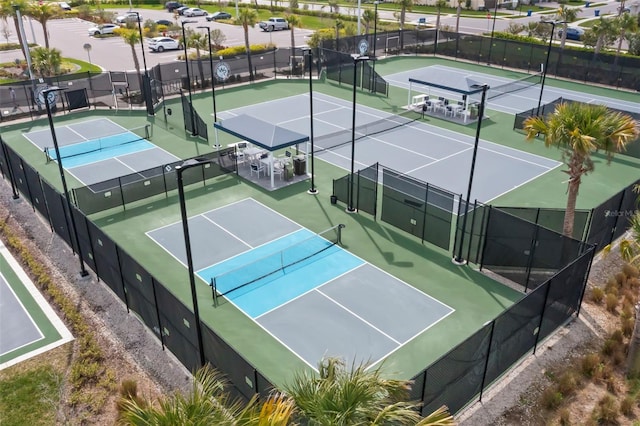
{"x": 70, "y": 35}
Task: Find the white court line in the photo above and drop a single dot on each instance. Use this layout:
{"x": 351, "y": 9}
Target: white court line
{"x": 523, "y": 183}
{"x": 65, "y": 334}
{"x": 26, "y": 311}
{"x": 440, "y": 159}
{"x": 359, "y": 317}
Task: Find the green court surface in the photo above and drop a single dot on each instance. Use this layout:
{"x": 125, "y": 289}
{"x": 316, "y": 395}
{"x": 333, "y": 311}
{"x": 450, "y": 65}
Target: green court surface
{"x": 53, "y": 331}
{"x": 475, "y": 298}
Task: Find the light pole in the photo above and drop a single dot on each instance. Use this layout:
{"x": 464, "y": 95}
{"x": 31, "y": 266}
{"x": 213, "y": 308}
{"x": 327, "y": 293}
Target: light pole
{"x": 146, "y": 85}
{"x": 187, "y": 242}
{"x": 356, "y": 60}
{"x": 375, "y": 38}
{"x": 213, "y": 83}
{"x": 194, "y": 132}
{"x": 313, "y": 190}
{"x": 493, "y": 28}
{"x": 546, "y": 62}
{"x": 144, "y": 59}
{"x": 45, "y": 94}
{"x": 484, "y": 87}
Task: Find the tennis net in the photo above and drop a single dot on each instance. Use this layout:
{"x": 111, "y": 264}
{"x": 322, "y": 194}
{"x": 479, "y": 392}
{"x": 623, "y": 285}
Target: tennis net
{"x": 276, "y": 264}
{"x": 514, "y": 86}
{"x": 95, "y": 145}
{"x": 343, "y": 137}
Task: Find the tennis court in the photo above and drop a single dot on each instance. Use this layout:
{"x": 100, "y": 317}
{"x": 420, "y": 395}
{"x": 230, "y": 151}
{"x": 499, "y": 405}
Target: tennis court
{"x": 99, "y": 150}
{"x": 432, "y": 154}
{"x": 525, "y": 97}
{"x": 302, "y": 288}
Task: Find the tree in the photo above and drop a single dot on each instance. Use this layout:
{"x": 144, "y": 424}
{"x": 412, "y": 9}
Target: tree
{"x": 580, "y": 130}
{"x": 339, "y": 397}
{"x": 458, "y": 12}
{"x": 293, "y": 21}
{"x": 369, "y": 17}
{"x": 439, "y": 5}
{"x": 7, "y": 10}
{"x": 405, "y": 5}
{"x": 207, "y": 404}
{"x": 338, "y": 26}
{"x": 198, "y": 41}
{"x": 604, "y": 32}
{"x": 566, "y": 14}
{"x": 132, "y": 37}
{"x": 248, "y": 18}
{"x": 630, "y": 250}
{"x": 43, "y": 12}
{"x": 626, "y": 25}
{"x": 46, "y": 62}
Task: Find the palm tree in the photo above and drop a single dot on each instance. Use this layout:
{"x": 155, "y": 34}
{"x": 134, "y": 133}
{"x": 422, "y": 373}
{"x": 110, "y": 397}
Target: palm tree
{"x": 579, "y": 130}
{"x": 43, "y": 12}
{"x": 248, "y": 18}
{"x": 405, "y": 5}
{"x": 198, "y": 41}
{"x": 8, "y": 10}
{"x": 293, "y": 21}
{"x": 566, "y": 14}
{"x": 132, "y": 37}
{"x": 626, "y": 25}
{"x": 208, "y": 403}
{"x": 46, "y": 62}
{"x": 339, "y": 397}
{"x": 339, "y": 25}
{"x": 439, "y": 5}
{"x": 605, "y": 32}
{"x": 458, "y": 12}
{"x": 368, "y": 17}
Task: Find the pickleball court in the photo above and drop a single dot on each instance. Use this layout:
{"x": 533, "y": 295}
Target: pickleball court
{"x": 431, "y": 154}
{"x": 99, "y": 150}
{"x": 327, "y": 303}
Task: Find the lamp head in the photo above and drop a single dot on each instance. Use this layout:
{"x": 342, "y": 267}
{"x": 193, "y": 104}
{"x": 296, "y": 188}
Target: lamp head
{"x": 188, "y": 21}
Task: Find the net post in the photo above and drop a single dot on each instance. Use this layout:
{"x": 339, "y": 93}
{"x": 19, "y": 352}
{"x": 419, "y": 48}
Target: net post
{"x": 340, "y": 226}
{"x": 214, "y": 292}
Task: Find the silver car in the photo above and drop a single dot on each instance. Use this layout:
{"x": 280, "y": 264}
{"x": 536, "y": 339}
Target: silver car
{"x": 194, "y": 11}
{"x": 102, "y": 29}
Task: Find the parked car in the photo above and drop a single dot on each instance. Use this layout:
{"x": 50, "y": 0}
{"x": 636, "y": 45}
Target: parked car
{"x": 194, "y": 11}
{"x": 64, "y": 5}
{"x": 573, "y": 33}
{"x": 166, "y": 22}
{"x": 128, "y": 17}
{"x": 181, "y": 9}
{"x": 160, "y": 44}
{"x": 218, "y": 15}
{"x": 273, "y": 24}
{"x": 102, "y": 29}
{"x": 624, "y": 9}
{"x": 172, "y": 5}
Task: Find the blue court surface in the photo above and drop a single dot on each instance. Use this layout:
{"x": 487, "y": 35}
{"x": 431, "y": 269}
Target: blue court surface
{"x": 302, "y": 288}
{"x": 99, "y": 150}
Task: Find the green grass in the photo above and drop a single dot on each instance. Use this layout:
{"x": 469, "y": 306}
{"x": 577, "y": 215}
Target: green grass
{"x": 30, "y": 397}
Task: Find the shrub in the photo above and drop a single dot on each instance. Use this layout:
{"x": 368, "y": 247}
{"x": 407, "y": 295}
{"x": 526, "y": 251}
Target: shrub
{"x": 621, "y": 278}
{"x": 597, "y": 295}
{"x": 607, "y": 410}
{"x": 589, "y": 363}
{"x": 568, "y": 382}
{"x": 626, "y": 405}
{"x": 611, "y": 302}
{"x": 627, "y": 325}
{"x": 565, "y": 418}
{"x": 631, "y": 271}
{"x": 612, "y": 286}
{"x": 551, "y": 398}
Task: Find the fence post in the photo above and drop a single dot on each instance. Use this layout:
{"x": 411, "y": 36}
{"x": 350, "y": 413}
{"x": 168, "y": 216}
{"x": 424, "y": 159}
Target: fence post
{"x": 155, "y": 301}
{"x": 486, "y": 364}
{"x": 544, "y": 309}
{"x": 586, "y": 278}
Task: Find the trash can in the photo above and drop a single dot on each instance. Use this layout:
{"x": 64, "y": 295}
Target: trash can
{"x": 529, "y": 12}
{"x": 299, "y": 165}
{"x": 587, "y": 4}
{"x": 597, "y": 12}
{"x": 334, "y": 199}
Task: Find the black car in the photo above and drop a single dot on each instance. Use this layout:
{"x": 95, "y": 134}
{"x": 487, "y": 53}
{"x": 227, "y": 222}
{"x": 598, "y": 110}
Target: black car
{"x": 172, "y": 5}
{"x": 218, "y": 15}
{"x": 166, "y": 22}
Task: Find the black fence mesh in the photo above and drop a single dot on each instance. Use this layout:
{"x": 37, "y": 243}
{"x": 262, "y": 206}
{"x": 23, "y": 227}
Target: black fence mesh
{"x": 119, "y": 192}
{"x": 340, "y": 67}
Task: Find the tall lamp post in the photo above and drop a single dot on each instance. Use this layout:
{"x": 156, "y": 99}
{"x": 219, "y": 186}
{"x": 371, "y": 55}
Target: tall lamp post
{"x": 213, "y": 84}
{"x": 194, "y": 132}
{"x": 187, "y": 242}
{"x": 546, "y": 62}
{"x": 45, "y": 94}
{"x": 313, "y": 190}
{"x": 484, "y": 87}
{"x": 356, "y": 61}
{"x": 375, "y": 38}
{"x": 146, "y": 86}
